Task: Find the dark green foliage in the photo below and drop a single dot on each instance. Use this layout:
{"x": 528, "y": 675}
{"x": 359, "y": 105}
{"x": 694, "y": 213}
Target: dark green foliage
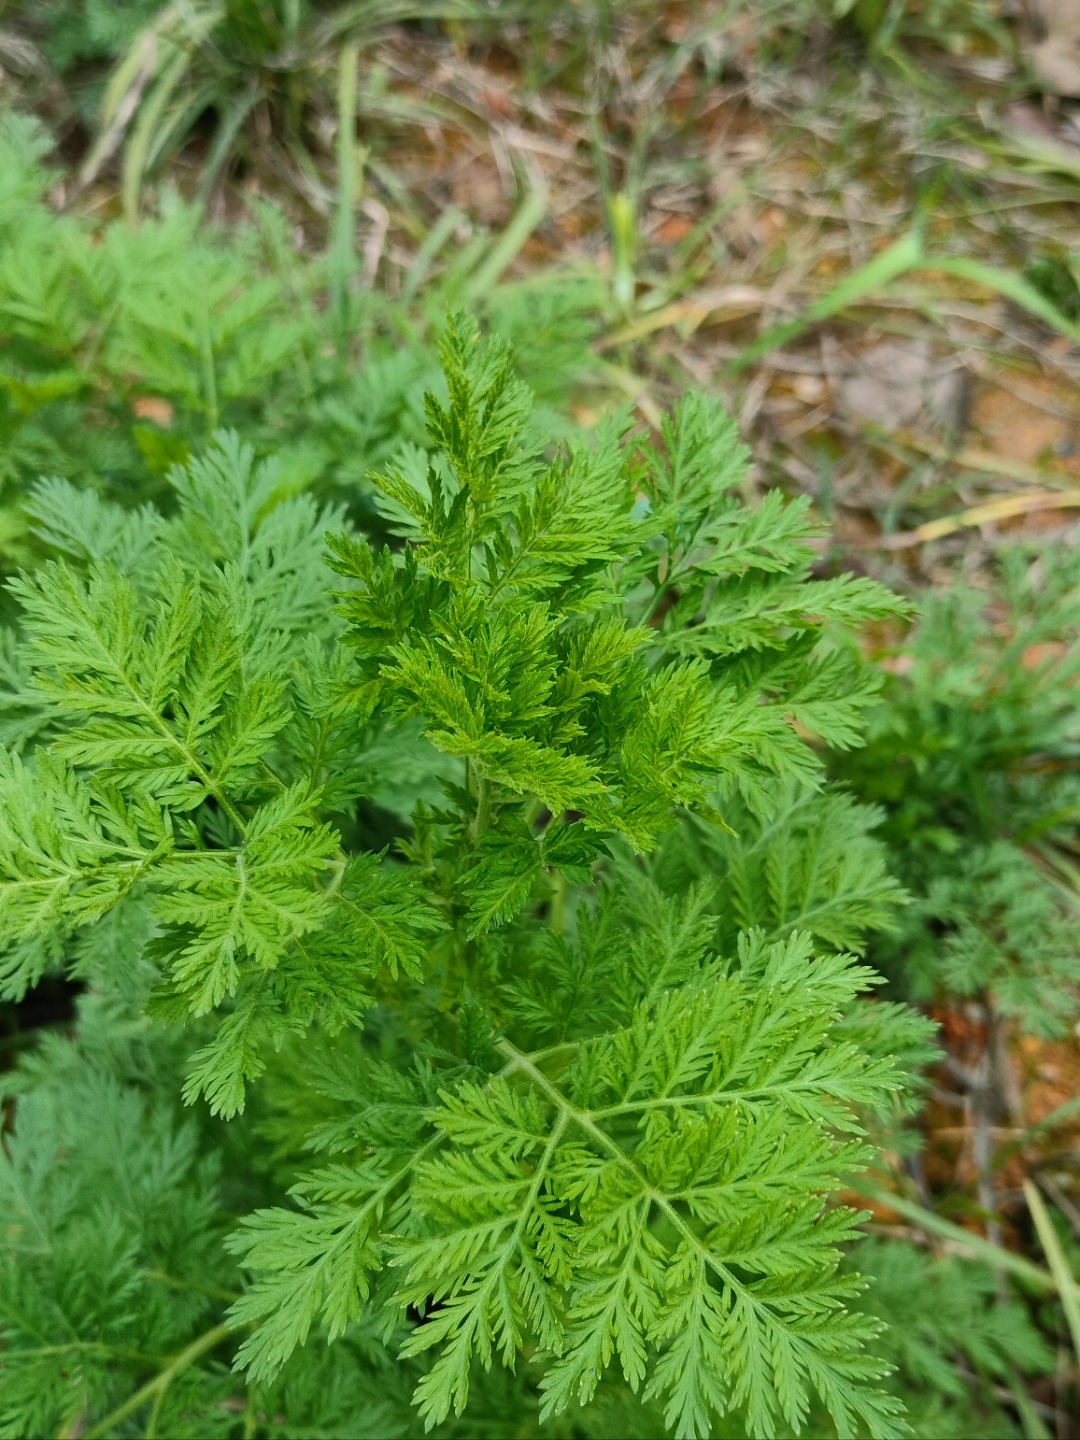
{"x": 950, "y": 1338}
{"x": 97, "y": 325}
{"x": 125, "y": 349}
{"x": 89, "y": 29}
{"x": 802, "y": 861}
{"x": 1052, "y": 276}
{"x": 111, "y": 1260}
{"x": 568, "y": 1112}
{"x": 108, "y": 1251}
{"x": 972, "y": 758}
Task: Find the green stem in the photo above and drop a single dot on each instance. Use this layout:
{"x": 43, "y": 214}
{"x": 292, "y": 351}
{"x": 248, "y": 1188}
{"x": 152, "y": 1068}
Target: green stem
{"x": 209, "y": 373}
{"x": 436, "y": 238}
{"x": 585, "y": 1121}
{"x": 661, "y": 590}
{"x": 155, "y": 1411}
{"x": 161, "y": 1382}
{"x": 251, "y": 1414}
{"x": 523, "y": 222}
{"x": 974, "y": 1245}
{"x": 482, "y": 818}
{"x": 558, "y": 902}
{"x": 1058, "y": 1261}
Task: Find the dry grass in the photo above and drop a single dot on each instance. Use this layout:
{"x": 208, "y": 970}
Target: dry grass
{"x": 724, "y": 166}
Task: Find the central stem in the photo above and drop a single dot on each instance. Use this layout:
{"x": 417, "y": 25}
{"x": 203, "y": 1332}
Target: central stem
{"x": 482, "y": 818}
{"x": 558, "y": 901}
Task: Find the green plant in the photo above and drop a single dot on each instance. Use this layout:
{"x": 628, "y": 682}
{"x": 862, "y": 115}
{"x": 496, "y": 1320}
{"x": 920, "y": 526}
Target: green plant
{"x": 973, "y": 758}
{"x": 113, "y": 1279}
{"x": 972, "y": 755}
{"x": 259, "y": 67}
{"x": 941, "y": 1311}
{"x": 127, "y": 348}
{"x": 116, "y": 1316}
{"x": 956, "y": 26}
{"x": 566, "y": 1116}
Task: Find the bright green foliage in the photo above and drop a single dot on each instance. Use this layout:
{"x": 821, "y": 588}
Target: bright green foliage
{"x": 804, "y": 862}
{"x": 161, "y": 314}
{"x": 526, "y": 668}
{"x": 498, "y": 627}
{"x": 574, "y": 1111}
{"x": 971, "y": 757}
{"x": 166, "y": 701}
{"x": 639, "y": 1193}
{"x": 522, "y": 915}
{"x": 125, "y": 1069}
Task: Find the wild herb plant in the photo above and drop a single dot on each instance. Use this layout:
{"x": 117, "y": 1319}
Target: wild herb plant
{"x": 568, "y": 1119}
{"x": 957, "y": 1344}
{"x": 972, "y": 754}
{"x": 126, "y": 349}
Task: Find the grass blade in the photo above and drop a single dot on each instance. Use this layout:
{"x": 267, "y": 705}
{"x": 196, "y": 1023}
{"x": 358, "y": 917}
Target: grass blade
{"x": 143, "y": 137}
{"x": 624, "y": 243}
{"x": 122, "y": 96}
{"x": 1030, "y": 1420}
{"x": 228, "y": 129}
{"x": 342, "y": 250}
{"x": 905, "y": 254}
{"x": 1013, "y": 287}
{"x": 981, "y": 1249}
{"x": 522, "y": 223}
{"x": 1006, "y": 507}
{"x": 694, "y": 308}
{"x": 435, "y": 239}
{"x": 1058, "y": 1116}
{"x": 1058, "y": 1261}
{"x": 988, "y": 462}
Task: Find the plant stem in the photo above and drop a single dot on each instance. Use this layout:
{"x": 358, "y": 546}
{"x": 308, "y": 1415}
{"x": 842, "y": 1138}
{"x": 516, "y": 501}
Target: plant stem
{"x": 161, "y": 1382}
{"x": 482, "y": 818}
{"x": 150, "y": 1432}
{"x": 558, "y": 902}
{"x": 209, "y": 373}
{"x": 251, "y": 1414}
{"x": 967, "y": 1242}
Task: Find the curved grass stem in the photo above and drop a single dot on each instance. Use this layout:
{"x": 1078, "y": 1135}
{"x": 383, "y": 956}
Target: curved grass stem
{"x": 154, "y": 1390}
